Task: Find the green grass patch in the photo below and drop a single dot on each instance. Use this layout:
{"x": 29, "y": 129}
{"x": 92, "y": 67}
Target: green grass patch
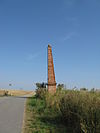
{"x": 40, "y": 119}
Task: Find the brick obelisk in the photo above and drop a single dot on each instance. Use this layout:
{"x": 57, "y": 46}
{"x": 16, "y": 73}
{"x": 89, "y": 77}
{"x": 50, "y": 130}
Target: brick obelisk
{"x": 51, "y": 73}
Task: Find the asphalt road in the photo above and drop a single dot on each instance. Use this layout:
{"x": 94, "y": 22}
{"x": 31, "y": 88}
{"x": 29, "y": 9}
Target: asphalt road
{"x": 11, "y": 114}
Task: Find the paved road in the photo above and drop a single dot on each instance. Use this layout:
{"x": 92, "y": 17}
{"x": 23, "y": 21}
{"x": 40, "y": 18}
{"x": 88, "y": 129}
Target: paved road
{"x": 11, "y": 114}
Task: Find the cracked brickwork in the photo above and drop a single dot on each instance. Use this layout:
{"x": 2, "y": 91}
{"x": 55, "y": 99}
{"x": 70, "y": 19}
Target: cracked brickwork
{"x": 51, "y": 73}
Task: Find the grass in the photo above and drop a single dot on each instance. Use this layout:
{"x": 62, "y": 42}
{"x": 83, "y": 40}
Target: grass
{"x": 40, "y": 119}
{"x": 3, "y": 93}
{"x": 20, "y": 92}
{"x": 66, "y": 111}
{"x": 16, "y": 93}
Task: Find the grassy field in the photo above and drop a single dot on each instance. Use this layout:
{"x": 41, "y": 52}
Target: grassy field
{"x": 66, "y": 111}
{"x": 41, "y": 120}
{"x": 20, "y": 92}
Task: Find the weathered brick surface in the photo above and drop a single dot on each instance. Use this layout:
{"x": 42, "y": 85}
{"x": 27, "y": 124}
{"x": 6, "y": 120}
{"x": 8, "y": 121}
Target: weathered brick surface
{"x": 51, "y": 74}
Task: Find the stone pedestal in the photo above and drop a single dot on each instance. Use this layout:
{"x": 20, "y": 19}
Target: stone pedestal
{"x": 51, "y": 74}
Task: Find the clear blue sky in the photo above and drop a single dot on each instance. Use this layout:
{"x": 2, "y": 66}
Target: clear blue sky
{"x": 72, "y": 27}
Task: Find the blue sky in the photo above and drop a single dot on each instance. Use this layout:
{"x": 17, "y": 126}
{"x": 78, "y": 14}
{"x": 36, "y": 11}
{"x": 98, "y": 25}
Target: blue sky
{"x": 72, "y": 27}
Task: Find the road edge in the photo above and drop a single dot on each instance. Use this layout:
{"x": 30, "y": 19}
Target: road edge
{"x": 24, "y": 115}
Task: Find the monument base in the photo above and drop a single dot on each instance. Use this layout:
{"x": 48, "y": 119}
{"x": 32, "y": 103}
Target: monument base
{"x": 52, "y": 88}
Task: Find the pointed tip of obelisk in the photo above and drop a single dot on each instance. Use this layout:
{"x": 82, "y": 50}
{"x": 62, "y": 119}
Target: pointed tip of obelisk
{"x": 49, "y": 46}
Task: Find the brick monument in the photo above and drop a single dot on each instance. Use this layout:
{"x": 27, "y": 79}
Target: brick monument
{"x": 51, "y": 73}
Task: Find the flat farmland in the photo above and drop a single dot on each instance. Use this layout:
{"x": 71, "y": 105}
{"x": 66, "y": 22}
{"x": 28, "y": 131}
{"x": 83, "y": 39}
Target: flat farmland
{"x": 16, "y": 92}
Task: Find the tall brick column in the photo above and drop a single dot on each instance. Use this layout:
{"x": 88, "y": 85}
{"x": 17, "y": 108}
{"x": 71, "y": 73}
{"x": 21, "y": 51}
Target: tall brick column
{"x": 51, "y": 74}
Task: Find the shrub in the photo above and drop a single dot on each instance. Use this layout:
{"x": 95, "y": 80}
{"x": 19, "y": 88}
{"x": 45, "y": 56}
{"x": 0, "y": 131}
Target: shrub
{"x": 41, "y": 92}
{"x": 81, "y": 111}
{"x": 60, "y": 87}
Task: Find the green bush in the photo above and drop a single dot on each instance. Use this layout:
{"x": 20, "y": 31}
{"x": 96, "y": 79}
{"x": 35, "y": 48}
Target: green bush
{"x": 41, "y": 92}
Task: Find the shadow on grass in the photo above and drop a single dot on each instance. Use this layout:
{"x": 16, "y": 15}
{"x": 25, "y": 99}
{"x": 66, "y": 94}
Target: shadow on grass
{"x": 55, "y": 120}
{"x": 55, "y": 124}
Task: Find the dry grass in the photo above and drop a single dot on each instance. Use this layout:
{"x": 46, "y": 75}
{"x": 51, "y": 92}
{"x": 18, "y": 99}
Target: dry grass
{"x": 2, "y": 92}
{"x": 16, "y": 92}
